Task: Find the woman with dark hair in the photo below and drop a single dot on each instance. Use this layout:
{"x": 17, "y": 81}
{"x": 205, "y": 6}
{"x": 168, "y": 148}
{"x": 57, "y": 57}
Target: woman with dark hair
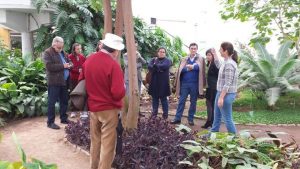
{"x": 226, "y": 87}
{"x": 77, "y": 59}
{"x": 211, "y": 90}
{"x": 159, "y": 87}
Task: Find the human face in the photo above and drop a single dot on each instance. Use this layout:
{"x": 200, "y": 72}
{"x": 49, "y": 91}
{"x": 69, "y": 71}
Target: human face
{"x": 78, "y": 49}
{"x": 193, "y": 50}
{"x": 58, "y": 47}
{"x": 161, "y": 53}
{"x": 209, "y": 57}
{"x": 222, "y": 52}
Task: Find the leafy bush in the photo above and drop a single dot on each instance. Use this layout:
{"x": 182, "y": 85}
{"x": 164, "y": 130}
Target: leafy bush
{"x": 222, "y": 150}
{"x": 32, "y": 164}
{"x": 154, "y": 144}
{"x": 22, "y": 85}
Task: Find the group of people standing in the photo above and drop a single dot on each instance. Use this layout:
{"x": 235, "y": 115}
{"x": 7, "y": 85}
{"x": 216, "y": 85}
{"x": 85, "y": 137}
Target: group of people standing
{"x": 106, "y": 86}
{"x": 191, "y": 78}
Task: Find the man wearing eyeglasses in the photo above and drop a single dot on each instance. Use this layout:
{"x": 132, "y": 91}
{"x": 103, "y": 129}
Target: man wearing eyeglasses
{"x": 190, "y": 80}
{"x": 57, "y": 69}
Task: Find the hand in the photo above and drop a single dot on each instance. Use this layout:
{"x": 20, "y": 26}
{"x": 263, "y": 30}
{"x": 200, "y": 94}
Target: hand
{"x": 220, "y": 102}
{"x": 79, "y": 70}
{"x": 189, "y": 67}
{"x": 213, "y": 51}
{"x": 66, "y": 65}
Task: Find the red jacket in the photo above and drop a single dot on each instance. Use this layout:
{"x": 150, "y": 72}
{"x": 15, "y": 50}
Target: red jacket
{"x": 104, "y": 82}
{"x": 77, "y": 64}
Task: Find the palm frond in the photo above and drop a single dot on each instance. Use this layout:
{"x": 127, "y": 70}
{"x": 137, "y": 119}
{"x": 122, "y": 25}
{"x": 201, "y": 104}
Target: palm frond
{"x": 272, "y": 95}
{"x": 262, "y": 52}
{"x": 267, "y": 68}
{"x": 39, "y": 4}
{"x": 286, "y": 67}
{"x": 283, "y": 55}
{"x": 85, "y": 10}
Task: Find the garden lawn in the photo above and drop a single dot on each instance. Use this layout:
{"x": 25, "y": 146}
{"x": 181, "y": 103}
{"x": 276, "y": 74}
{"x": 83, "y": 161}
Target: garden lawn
{"x": 248, "y": 109}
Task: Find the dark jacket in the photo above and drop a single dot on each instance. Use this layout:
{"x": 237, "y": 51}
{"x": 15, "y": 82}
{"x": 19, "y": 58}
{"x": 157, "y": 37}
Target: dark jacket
{"x": 212, "y": 76}
{"x": 159, "y": 85}
{"x": 54, "y": 67}
{"x": 212, "y": 79}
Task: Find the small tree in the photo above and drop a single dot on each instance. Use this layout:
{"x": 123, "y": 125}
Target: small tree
{"x": 272, "y": 75}
{"x": 273, "y": 17}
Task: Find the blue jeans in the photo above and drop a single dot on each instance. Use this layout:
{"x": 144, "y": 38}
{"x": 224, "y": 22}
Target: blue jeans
{"x": 224, "y": 112}
{"x": 60, "y": 94}
{"x": 185, "y": 90}
{"x": 164, "y": 103}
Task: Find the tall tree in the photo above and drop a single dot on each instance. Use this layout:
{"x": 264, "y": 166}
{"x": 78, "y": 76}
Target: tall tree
{"x": 107, "y": 16}
{"x": 133, "y": 103}
{"x": 272, "y": 17}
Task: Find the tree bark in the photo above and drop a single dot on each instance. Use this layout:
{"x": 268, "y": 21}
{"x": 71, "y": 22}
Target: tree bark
{"x": 298, "y": 46}
{"x": 107, "y": 17}
{"x": 133, "y": 101}
{"x": 119, "y": 24}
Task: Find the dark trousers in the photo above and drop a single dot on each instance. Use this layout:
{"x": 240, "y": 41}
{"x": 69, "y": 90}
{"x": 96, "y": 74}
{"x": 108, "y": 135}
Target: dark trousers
{"x": 60, "y": 94}
{"x": 164, "y": 103}
{"x": 210, "y": 104}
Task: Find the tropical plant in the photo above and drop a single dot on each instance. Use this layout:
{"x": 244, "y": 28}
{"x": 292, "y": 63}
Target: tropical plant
{"x": 275, "y": 17}
{"x": 223, "y": 150}
{"x": 82, "y": 21}
{"x": 22, "y": 85}
{"x": 24, "y": 163}
{"x": 74, "y": 20}
{"x": 262, "y": 71}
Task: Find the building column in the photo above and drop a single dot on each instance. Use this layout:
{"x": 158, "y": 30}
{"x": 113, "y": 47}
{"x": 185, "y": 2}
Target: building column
{"x": 27, "y": 47}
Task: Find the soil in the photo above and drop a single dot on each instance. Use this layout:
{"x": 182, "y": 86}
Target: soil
{"x": 50, "y": 145}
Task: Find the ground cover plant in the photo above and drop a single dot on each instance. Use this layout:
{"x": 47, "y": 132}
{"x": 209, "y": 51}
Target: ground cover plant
{"x": 244, "y": 151}
{"x": 154, "y": 144}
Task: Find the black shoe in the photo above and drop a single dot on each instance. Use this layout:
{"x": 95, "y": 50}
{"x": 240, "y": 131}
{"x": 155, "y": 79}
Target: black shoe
{"x": 175, "y": 122}
{"x": 66, "y": 121}
{"x": 53, "y": 126}
{"x": 191, "y": 123}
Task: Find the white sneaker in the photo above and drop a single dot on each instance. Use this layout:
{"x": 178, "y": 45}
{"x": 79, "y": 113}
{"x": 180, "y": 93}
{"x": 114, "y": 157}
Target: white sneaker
{"x": 73, "y": 114}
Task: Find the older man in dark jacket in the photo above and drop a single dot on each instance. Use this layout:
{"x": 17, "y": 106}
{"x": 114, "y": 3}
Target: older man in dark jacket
{"x": 57, "y": 70}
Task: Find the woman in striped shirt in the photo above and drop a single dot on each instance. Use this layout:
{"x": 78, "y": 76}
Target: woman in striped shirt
{"x": 226, "y": 87}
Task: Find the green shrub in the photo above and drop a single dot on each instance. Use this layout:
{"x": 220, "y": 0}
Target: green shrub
{"x": 22, "y": 85}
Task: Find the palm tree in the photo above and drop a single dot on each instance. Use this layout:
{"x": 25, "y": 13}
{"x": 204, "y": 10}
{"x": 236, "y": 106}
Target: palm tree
{"x": 272, "y": 75}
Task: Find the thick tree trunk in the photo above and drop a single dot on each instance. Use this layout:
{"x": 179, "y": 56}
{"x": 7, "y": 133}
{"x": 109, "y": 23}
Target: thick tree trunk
{"x": 119, "y": 24}
{"x": 298, "y": 46}
{"x": 107, "y": 17}
{"x": 133, "y": 102}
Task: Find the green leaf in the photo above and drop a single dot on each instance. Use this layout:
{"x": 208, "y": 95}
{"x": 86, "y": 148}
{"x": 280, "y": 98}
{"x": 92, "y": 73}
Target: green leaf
{"x": 192, "y": 149}
{"x": 19, "y": 148}
{"x": 20, "y": 108}
{"x": 183, "y": 128}
{"x": 224, "y": 162}
{"x": 186, "y": 162}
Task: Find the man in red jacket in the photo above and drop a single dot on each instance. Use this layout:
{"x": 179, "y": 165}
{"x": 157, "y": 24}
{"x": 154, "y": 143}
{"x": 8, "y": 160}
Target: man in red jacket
{"x": 105, "y": 90}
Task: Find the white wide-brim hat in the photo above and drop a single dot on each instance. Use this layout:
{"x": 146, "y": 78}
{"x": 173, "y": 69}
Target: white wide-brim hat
{"x": 113, "y": 41}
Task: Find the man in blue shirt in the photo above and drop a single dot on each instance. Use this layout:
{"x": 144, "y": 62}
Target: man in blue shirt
{"x": 190, "y": 80}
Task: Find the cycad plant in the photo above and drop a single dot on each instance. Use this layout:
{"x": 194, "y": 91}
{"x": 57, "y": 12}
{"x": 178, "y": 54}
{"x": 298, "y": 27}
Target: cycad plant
{"x": 272, "y": 75}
